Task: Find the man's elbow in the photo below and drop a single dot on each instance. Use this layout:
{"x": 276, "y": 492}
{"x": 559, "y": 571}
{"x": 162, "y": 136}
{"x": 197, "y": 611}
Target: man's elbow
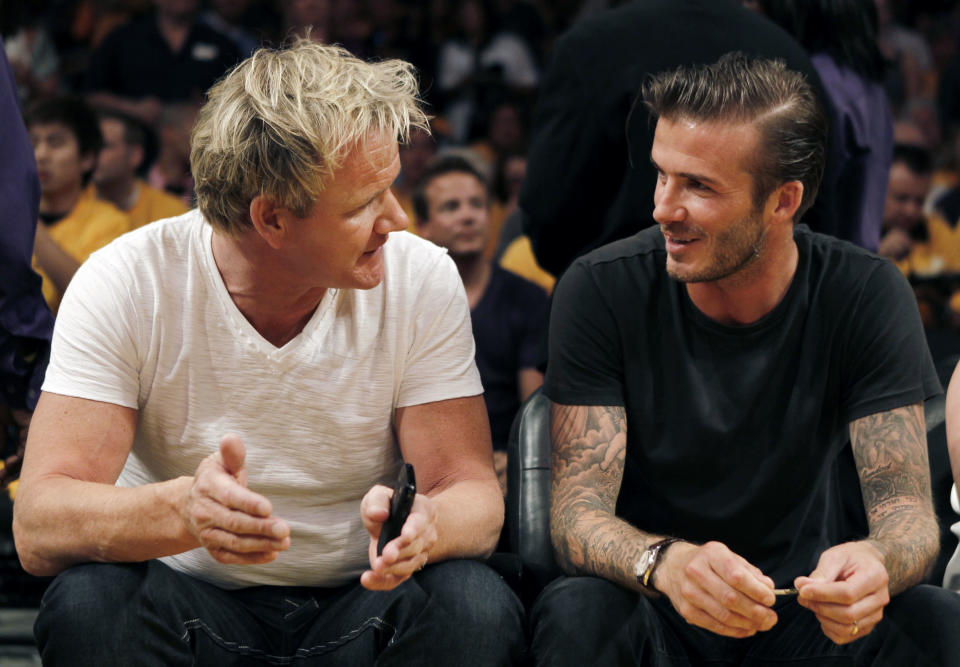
{"x": 30, "y": 553}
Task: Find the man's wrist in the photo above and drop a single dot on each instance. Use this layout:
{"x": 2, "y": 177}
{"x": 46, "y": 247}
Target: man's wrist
{"x": 649, "y": 563}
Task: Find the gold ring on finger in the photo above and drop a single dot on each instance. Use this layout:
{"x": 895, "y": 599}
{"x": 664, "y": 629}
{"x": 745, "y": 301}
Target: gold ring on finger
{"x": 855, "y": 630}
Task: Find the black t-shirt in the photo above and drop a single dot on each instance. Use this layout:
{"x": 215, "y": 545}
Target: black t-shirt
{"x": 508, "y": 325}
{"x": 732, "y": 432}
{"x": 135, "y": 61}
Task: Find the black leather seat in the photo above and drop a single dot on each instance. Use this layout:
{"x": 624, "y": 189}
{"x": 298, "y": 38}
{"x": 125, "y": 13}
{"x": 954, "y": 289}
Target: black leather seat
{"x": 527, "y": 521}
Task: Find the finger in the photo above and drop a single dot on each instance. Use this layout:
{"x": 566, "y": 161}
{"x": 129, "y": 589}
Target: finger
{"x": 376, "y": 582}
{"x": 228, "y": 492}
{"x": 733, "y": 582}
{"x": 731, "y": 609}
{"x": 845, "y": 633}
{"x": 232, "y": 558}
{"x": 214, "y": 538}
{"x": 843, "y": 614}
{"x": 233, "y": 454}
{"x": 375, "y": 508}
{"x": 213, "y": 515}
{"x": 703, "y": 618}
{"x": 858, "y": 585}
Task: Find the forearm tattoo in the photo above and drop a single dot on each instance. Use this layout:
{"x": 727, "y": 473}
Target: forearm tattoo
{"x": 890, "y": 449}
{"x": 589, "y": 448}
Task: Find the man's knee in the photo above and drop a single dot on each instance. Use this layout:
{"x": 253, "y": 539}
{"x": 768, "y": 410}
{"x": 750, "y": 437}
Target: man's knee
{"x": 85, "y": 605}
{"x": 569, "y": 602}
{"x": 471, "y": 611}
{"x": 472, "y": 593}
{"x": 584, "y": 621}
{"x": 927, "y": 617}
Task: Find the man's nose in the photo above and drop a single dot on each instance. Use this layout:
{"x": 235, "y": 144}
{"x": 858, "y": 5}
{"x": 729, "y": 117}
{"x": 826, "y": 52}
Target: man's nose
{"x": 667, "y": 206}
{"x": 393, "y": 218}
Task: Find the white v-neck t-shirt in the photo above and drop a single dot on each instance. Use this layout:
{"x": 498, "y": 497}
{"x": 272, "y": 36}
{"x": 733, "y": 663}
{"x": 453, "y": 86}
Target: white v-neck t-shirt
{"x": 147, "y": 323}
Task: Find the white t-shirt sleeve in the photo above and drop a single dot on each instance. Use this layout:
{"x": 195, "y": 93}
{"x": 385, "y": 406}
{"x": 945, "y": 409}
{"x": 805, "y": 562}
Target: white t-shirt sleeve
{"x": 94, "y": 353}
{"x": 440, "y": 363}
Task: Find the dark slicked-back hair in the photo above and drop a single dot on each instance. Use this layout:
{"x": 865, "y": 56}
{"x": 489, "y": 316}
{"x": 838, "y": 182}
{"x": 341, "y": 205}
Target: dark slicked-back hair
{"x": 764, "y": 93}
{"x": 449, "y": 163}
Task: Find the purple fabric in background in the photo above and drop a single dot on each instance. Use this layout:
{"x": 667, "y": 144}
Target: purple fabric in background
{"x": 26, "y": 323}
{"x": 863, "y": 142}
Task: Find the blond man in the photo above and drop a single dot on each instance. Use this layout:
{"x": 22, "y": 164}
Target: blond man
{"x": 232, "y": 392}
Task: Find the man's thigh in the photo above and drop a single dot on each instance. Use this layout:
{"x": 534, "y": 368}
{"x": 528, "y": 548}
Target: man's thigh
{"x": 591, "y": 621}
{"x": 154, "y": 615}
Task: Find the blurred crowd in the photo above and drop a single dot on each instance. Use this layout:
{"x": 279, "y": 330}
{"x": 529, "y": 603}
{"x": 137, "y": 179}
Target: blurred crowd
{"x": 479, "y": 63}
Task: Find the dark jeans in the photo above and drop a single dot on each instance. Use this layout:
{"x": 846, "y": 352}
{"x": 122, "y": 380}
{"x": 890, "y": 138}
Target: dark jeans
{"x": 589, "y": 621}
{"x": 453, "y": 613}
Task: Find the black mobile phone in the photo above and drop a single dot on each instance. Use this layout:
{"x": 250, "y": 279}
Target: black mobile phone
{"x": 404, "y": 490}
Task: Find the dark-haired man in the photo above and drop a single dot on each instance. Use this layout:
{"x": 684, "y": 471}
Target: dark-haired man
{"x": 66, "y": 139}
{"x": 115, "y": 179}
{"x": 508, "y": 313}
{"x": 904, "y": 223}
{"x": 744, "y": 353}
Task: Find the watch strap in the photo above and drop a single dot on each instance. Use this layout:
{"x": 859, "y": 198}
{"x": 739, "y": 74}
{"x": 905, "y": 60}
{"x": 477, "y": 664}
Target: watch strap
{"x": 657, "y": 548}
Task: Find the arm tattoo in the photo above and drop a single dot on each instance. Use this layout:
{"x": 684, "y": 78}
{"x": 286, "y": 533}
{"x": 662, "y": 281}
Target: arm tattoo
{"x": 890, "y": 449}
{"x": 589, "y": 449}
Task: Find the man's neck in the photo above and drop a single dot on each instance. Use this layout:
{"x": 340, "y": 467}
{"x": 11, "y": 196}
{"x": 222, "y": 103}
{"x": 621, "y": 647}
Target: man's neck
{"x": 257, "y": 283}
{"x": 475, "y": 273}
{"x": 60, "y": 203}
{"x": 122, "y": 194}
{"x": 753, "y": 292}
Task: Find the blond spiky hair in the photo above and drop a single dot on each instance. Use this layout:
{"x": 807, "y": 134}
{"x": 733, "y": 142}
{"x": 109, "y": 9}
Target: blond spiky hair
{"x": 282, "y": 121}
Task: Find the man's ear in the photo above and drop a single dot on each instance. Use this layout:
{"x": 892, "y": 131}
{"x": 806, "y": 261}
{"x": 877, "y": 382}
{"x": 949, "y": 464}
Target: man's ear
{"x": 785, "y": 200}
{"x": 88, "y": 162}
{"x": 136, "y": 157}
{"x": 271, "y": 222}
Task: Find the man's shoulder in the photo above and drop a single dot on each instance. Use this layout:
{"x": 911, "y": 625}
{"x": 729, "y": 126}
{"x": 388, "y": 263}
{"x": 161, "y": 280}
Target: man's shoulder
{"x": 646, "y": 247}
{"x": 154, "y": 242}
{"x": 840, "y": 274}
{"x": 831, "y": 255}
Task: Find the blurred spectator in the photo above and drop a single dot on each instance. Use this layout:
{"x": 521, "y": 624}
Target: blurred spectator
{"x": 905, "y": 236}
{"x": 171, "y": 171}
{"x": 303, "y": 17}
{"x": 415, "y": 156}
{"x": 509, "y": 314}
{"x": 906, "y": 131}
{"x": 911, "y": 74}
{"x": 168, "y": 56}
{"x": 122, "y": 158}
{"x": 226, "y": 17}
{"x": 841, "y": 38}
{"x": 34, "y": 60}
{"x": 590, "y": 180}
{"x": 66, "y": 139}
{"x": 524, "y": 19}
{"x": 476, "y": 66}
{"x": 25, "y": 320}
{"x": 504, "y": 131}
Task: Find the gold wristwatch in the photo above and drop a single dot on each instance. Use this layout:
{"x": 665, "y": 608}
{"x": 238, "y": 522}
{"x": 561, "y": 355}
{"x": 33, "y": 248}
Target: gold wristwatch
{"x": 649, "y": 560}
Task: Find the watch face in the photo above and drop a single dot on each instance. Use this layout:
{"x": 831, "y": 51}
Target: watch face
{"x": 646, "y": 560}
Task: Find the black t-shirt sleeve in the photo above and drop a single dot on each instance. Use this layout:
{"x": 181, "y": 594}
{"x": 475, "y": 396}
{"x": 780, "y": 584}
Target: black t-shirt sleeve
{"x": 888, "y": 362}
{"x": 585, "y": 364}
